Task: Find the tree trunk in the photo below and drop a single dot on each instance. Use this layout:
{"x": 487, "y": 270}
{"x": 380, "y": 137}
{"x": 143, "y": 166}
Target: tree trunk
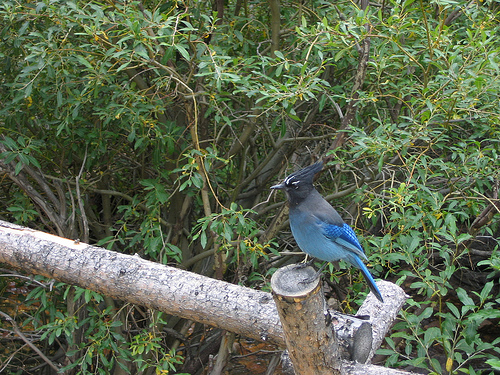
{"x": 274, "y": 7}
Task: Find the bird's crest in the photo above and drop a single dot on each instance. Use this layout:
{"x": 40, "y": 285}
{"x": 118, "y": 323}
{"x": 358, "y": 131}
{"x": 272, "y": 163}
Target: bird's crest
{"x": 305, "y": 175}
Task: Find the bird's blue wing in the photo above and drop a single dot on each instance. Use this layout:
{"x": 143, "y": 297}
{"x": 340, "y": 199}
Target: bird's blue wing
{"x": 332, "y": 225}
{"x": 344, "y": 236}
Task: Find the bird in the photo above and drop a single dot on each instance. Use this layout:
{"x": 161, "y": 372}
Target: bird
{"x": 318, "y": 228}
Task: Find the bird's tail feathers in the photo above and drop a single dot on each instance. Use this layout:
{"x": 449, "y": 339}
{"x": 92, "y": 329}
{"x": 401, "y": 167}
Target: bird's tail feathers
{"x": 369, "y": 278}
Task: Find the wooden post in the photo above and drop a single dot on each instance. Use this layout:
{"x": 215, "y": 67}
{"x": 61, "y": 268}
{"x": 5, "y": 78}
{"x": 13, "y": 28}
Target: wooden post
{"x": 311, "y": 342}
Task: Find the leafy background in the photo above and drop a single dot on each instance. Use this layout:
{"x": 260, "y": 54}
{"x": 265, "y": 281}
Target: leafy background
{"x": 157, "y": 128}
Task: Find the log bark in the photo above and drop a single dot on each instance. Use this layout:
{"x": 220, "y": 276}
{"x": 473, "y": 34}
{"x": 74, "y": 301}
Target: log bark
{"x": 382, "y": 315}
{"x": 348, "y": 368}
{"x": 310, "y": 338}
{"x": 249, "y": 312}
{"x": 234, "y": 308}
{"x": 355, "y": 336}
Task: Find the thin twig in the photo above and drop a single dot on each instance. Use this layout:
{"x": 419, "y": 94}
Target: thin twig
{"x": 80, "y": 202}
{"x": 28, "y": 342}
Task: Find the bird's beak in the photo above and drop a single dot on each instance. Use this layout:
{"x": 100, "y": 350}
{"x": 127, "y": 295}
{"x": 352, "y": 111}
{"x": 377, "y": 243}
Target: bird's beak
{"x": 279, "y": 186}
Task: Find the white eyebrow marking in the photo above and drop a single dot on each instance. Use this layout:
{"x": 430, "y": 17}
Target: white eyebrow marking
{"x": 289, "y": 180}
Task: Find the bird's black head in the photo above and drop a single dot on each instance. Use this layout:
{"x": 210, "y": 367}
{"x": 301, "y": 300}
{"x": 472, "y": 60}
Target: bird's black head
{"x": 299, "y": 184}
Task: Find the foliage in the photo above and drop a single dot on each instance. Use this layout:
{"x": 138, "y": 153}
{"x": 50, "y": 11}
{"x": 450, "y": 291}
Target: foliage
{"x": 157, "y": 128}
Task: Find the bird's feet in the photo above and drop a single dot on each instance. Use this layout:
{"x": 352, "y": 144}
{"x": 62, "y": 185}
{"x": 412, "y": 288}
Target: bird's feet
{"x": 309, "y": 280}
{"x": 316, "y": 275}
{"x": 305, "y": 264}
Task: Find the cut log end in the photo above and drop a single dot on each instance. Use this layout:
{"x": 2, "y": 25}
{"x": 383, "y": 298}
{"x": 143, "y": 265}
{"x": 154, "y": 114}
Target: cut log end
{"x": 294, "y": 281}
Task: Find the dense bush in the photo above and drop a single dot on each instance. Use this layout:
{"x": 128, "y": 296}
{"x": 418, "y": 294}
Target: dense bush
{"x": 157, "y": 128}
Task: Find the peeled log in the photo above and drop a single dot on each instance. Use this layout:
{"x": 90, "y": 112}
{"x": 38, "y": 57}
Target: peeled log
{"x": 355, "y": 336}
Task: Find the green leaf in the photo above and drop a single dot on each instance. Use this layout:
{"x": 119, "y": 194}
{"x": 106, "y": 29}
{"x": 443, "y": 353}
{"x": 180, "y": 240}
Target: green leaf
{"x": 8, "y": 156}
{"x": 197, "y": 180}
{"x": 484, "y": 314}
{"x": 183, "y": 51}
{"x": 431, "y": 335}
{"x": 453, "y": 309}
{"x": 123, "y": 66}
{"x": 322, "y": 102}
{"x": 141, "y": 50}
{"x": 485, "y": 292}
{"x": 18, "y": 168}
{"x": 85, "y": 62}
{"x": 10, "y": 143}
{"x": 436, "y": 365}
{"x": 279, "y": 55}
{"x": 203, "y": 239}
{"x": 464, "y": 298}
{"x": 494, "y": 363}
{"x": 339, "y": 55}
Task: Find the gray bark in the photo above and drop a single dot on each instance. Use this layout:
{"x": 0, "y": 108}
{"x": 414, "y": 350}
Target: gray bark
{"x": 234, "y": 308}
{"x": 249, "y": 312}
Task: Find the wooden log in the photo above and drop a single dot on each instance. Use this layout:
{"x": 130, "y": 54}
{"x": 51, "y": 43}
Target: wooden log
{"x": 308, "y": 326}
{"x": 381, "y": 315}
{"x": 245, "y": 311}
{"x": 355, "y": 336}
{"x": 355, "y": 333}
{"x": 251, "y": 313}
{"x": 310, "y": 339}
{"x": 348, "y": 368}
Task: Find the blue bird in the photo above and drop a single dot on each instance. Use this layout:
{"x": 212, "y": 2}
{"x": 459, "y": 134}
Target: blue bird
{"x": 318, "y": 228}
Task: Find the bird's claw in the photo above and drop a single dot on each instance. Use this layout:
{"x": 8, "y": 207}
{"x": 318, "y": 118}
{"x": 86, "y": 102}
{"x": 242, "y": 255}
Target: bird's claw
{"x": 309, "y": 280}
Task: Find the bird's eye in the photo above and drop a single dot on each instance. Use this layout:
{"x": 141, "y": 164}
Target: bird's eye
{"x": 291, "y": 182}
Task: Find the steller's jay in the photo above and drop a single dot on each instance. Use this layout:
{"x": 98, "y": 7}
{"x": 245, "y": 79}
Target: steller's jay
{"x": 318, "y": 228}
